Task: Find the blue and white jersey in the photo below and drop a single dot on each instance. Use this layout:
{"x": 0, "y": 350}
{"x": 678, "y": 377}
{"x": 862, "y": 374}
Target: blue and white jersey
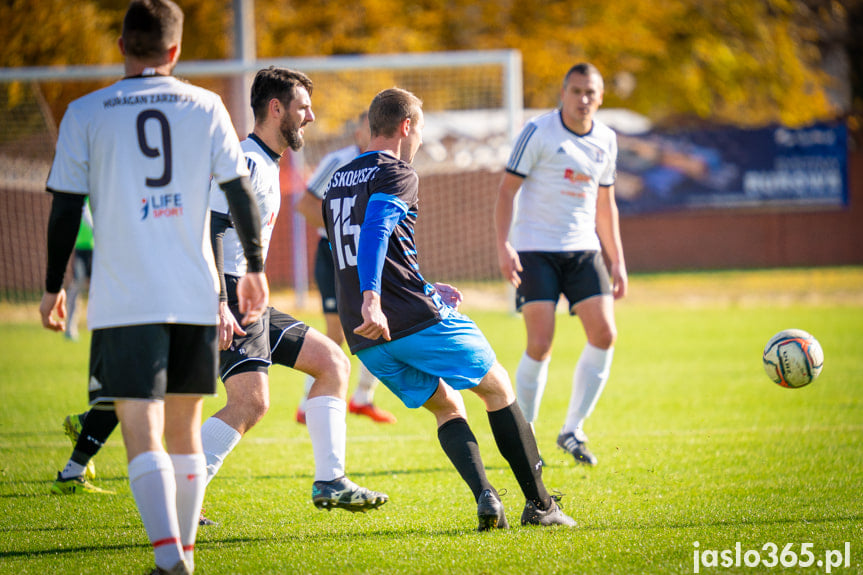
{"x": 144, "y": 149}
{"x": 263, "y": 164}
{"x": 328, "y": 165}
{"x": 562, "y": 171}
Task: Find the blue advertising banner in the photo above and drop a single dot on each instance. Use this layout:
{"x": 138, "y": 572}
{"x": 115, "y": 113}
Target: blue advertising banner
{"x": 733, "y": 168}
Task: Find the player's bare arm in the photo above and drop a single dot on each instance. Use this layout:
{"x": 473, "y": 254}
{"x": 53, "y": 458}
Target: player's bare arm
{"x": 52, "y": 308}
{"x": 228, "y": 326}
{"x": 310, "y": 207}
{"x": 253, "y": 293}
{"x": 375, "y": 323}
{"x": 608, "y": 230}
{"x": 507, "y": 258}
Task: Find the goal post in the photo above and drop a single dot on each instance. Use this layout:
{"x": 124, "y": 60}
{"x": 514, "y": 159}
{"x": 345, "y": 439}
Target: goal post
{"x": 473, "y": 106}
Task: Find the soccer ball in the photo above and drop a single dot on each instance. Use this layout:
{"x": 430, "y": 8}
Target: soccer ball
{"x": 793, "y": 358}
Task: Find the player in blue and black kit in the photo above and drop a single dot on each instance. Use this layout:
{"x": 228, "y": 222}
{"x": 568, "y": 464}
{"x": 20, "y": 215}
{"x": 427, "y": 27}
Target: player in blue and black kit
{"x": 407, "y": 331}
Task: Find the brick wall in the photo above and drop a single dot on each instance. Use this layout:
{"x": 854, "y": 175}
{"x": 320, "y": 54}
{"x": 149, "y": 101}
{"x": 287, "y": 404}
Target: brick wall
{"x": 455, "y": 234}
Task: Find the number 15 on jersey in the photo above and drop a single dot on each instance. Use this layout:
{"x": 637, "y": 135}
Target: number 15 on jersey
{"x": 346, "y": 234}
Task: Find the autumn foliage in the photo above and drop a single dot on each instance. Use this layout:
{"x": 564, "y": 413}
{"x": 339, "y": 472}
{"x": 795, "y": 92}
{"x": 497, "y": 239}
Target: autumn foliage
{"x": 744, "y": 62}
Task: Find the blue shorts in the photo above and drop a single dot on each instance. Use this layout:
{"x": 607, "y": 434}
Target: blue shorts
{"x": 454, "y": 350}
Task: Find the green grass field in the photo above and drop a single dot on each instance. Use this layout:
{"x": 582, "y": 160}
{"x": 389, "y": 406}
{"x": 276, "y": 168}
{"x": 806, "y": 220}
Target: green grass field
{"x": 695, "y": 444}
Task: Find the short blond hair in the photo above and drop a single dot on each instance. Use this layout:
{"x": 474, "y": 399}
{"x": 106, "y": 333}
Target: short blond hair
{"x": 390, "y": 108}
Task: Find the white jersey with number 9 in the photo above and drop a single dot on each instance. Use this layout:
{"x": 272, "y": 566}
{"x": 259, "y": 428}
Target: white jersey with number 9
{"x": 144, "y": 149}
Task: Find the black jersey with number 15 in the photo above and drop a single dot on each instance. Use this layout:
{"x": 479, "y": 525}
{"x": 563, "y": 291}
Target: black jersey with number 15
{"x": 406, "y": 298}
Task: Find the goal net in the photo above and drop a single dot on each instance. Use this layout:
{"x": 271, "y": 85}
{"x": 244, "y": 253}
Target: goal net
{"x": 473, "y": 108}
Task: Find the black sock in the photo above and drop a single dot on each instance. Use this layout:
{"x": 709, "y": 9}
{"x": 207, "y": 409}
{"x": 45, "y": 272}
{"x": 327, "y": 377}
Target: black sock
{"x": 518, "y": 446}
{"x": 459, "y": 444}
{"x": 95, "y": 430}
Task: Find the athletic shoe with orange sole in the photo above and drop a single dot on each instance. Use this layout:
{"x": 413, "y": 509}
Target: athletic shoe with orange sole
{"x": 371, "y": 410}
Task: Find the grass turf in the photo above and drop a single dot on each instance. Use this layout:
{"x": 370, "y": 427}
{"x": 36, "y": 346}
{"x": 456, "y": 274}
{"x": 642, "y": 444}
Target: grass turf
{"x": 695, "y": 444}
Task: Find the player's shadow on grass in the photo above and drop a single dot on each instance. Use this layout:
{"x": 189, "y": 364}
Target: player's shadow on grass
{"x": 389, "y": 533}
{"x": 42, "y": 487}
{"x": 202, "y": 543}
{"x": 28, "y": 434}
{"x": 725, "y": 523}
{"x": 68, "y": 550}
{"x": 356, "y": 474}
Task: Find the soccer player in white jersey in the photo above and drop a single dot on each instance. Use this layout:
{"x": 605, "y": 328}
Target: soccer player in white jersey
{"x": 282, "y": 105}
{"x": 362, "y": 400}
{"x": 565, "y": 240}
{"x": 143, "y": 150}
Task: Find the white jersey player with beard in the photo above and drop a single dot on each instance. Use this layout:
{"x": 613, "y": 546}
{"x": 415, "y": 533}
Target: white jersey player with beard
{"x": 281, "y": 101}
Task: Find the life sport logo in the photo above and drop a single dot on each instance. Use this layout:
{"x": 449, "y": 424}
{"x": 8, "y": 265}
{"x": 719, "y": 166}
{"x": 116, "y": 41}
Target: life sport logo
{"x": 161, "y": 206}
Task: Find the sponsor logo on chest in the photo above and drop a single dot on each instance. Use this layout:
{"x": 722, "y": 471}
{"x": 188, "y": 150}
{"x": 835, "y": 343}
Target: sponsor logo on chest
{"x": 161, "y": 206}
{"x": 575, "y": 177}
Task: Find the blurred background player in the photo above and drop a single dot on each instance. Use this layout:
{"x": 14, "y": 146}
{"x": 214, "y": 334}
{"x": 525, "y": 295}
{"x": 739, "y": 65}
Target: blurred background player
{"x": 406, "y": 330}
{"x": 565, "y": 231}
{"x": 82, "y": 264}
{"x": 362, "y": 400}
{"x": 88, "y": 432}
{"x": 282, "y": 105}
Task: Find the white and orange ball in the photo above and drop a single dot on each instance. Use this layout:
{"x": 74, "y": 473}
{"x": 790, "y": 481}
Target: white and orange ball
{"x": 793, "y": 358}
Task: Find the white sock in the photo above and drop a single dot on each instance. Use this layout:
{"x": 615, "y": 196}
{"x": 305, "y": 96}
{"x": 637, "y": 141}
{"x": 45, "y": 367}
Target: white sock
{"x": 218, "y": 439}
{"x": 151, "y": 477}
{"x": 310, "y": 381}
{"x": 530, "y": 379}
{"x": 325, "y": 420}
{"x": 190, "y": 473}
{"x": 364, "y": 394}
{"x": 588, "y": 380}
{"x": 72, "y": 469}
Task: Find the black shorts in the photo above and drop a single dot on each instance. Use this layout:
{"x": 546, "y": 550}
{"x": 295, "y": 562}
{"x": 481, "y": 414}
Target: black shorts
{"x": 275, "y": 338}
{"x": 152, "y": 360}
{"x": 547, "y": 275}
{"x": 325, "y": 276}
